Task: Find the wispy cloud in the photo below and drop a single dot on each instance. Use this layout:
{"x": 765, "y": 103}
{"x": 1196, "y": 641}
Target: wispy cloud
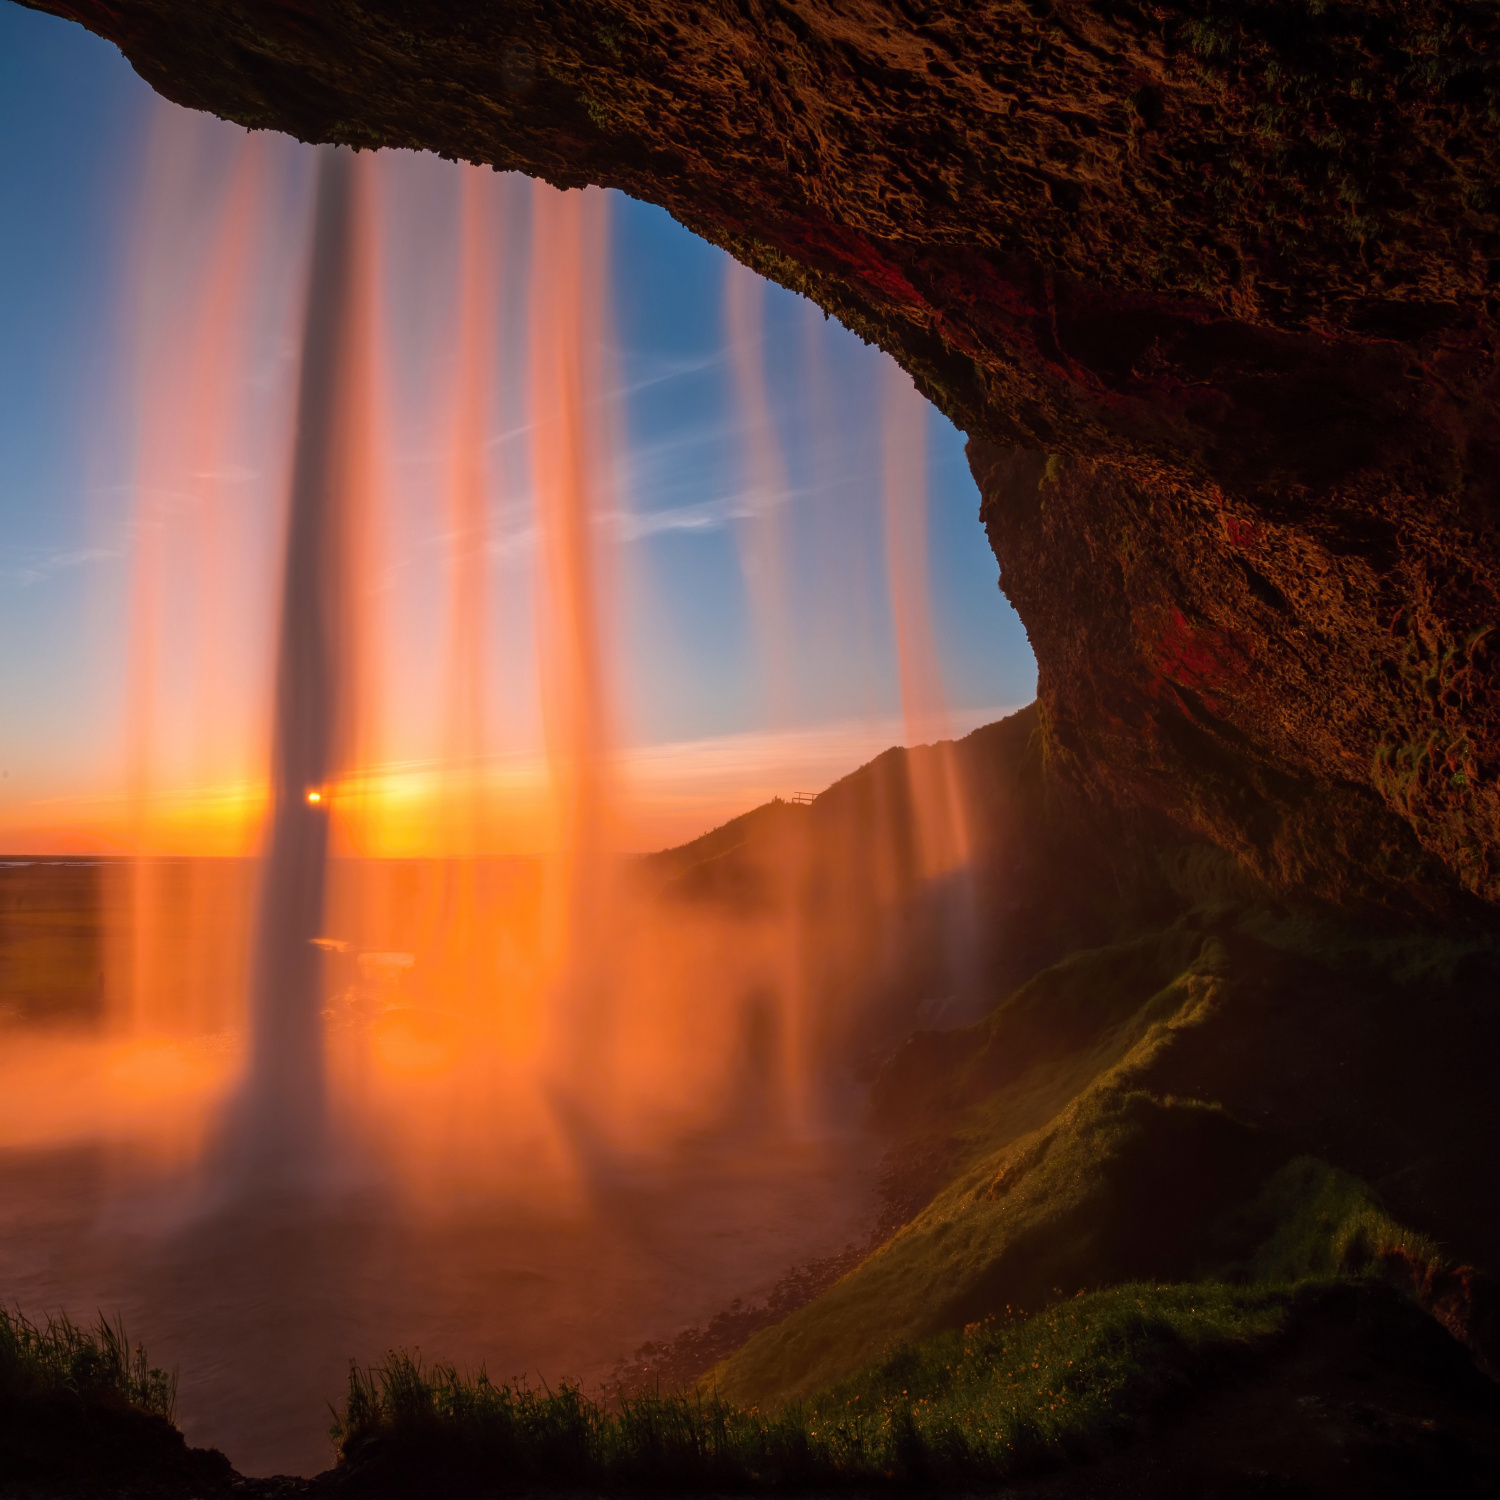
{"x": 645, "y": 371}
{"x": 28, "y": 566}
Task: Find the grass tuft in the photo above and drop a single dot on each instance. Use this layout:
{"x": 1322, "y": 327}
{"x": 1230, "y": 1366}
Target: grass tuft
{"x": 407, "y": 1415}
{"x": 92, "y": 1366}
{"x": 981, "y": 1403}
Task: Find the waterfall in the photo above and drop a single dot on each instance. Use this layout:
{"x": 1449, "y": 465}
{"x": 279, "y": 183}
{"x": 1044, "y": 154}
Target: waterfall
{"x": 282, "y": 1113}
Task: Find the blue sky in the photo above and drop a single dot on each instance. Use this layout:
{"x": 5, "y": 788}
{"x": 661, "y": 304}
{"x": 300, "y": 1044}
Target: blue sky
{"x": 74, "y": 122}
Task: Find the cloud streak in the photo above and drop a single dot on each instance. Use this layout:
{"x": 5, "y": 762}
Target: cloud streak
{"x": 32, "y": 567}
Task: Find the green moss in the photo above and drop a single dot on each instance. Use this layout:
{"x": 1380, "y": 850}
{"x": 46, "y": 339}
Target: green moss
{"x": 601, "y": 117}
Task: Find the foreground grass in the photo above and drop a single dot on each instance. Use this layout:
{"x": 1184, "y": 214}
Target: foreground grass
{"x": 979, "y": 1403}
{"x": 88, "y": 1366}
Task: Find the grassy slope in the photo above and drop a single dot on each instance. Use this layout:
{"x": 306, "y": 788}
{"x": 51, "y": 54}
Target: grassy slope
{"x": 1079, "y": 1164}
{"x": 1033, "y": 1156}
{"x": 1002, "y": 1395}
{"x": 998, "y": 1399}
{"x": 1162, "y": 1108}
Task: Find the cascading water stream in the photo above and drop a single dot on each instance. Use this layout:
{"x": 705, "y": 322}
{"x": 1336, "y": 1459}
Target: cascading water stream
{"x": 467, "y": 685}
{"x": 188, "y": 372}
{"x": 466, "y": 803}
{"x": 443, "y": 1008}
{"x": 939, "y": 813}
{"x": 759, "y": 530}
{"x": 281, "y": 1116}
{"x": 937, "y": 798}
{"x": 568, "y": 427}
